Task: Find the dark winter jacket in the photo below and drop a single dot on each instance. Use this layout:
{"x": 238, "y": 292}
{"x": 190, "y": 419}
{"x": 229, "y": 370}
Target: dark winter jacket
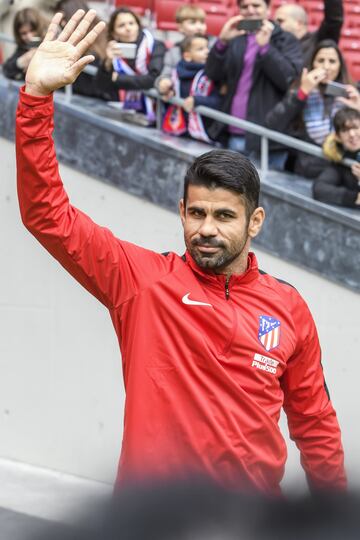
{"x": 337, "y": 185}
{"x": 273, "y": 74}
{"x": 286, "y": 117}
{"x": 108, "y": 89}
{"x": 10, "y": 67}
{"x": 330, "y": 28}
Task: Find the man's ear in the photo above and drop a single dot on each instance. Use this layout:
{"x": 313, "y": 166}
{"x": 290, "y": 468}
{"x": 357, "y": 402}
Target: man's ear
{"x": 187, "y": 56}
{"x": 256, "y": 221}
{"x": 182, "y": 210}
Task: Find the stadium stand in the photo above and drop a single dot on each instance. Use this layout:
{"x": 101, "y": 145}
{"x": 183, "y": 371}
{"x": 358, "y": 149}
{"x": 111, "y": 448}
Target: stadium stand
{"x": 218, "y": 11}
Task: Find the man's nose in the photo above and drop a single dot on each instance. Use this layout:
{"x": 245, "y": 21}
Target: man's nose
{"x": 208, "y": 227}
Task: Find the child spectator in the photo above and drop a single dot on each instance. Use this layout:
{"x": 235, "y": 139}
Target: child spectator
{"x": 191, "y": 83}
{"x": 338, "y": 184}
{"x": 85, "y": 84}
{"x": 122, "y": 79}
{"x": 29, "y": 30}
{"x": 190, "y": 20}
{"x": 307, "y": 111}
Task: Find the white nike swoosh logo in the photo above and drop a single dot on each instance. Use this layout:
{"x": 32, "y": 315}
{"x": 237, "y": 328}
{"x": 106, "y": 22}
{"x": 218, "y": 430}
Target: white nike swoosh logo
{"x": 186, "y": 300}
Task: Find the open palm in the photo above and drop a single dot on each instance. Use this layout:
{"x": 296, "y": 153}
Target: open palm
{"x": 58, "y": 62}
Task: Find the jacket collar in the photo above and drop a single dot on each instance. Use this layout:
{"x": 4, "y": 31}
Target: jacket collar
{"x": 219, "y": 280}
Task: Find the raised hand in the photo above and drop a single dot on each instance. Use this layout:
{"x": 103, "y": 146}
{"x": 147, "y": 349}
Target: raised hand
{"x": 311, "y": 79}
{"x": 58, "y": 62}
{"x": 230, "y": 29}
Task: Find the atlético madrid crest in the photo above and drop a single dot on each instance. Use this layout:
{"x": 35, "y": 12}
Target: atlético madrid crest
{"x": 269, "y": 332}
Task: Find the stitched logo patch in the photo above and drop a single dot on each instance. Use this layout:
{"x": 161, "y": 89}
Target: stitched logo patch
{"x": 269, "y": 332}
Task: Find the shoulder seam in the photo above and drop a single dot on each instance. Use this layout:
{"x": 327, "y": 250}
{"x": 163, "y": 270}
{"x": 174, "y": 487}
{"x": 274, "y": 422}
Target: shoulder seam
{"x": 277, "y": 279}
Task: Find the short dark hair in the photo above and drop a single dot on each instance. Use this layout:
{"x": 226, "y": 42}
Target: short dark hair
{"x": 186, "y": 43}
{"x": 344, "y": 117}
{"x": 227, "y": 170}
{"x": 239, "y": 2}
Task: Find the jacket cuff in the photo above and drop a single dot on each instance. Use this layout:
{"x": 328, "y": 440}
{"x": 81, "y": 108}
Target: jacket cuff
{"x": 302, "y": 95}
{"x": 35, "y": 106}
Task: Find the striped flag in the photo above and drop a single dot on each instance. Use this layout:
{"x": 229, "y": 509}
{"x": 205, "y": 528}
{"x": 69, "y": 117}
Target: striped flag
{"x": 269, "y": 332}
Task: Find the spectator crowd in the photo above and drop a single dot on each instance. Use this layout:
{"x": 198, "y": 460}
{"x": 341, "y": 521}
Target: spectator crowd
{"x": 264, "y": 66}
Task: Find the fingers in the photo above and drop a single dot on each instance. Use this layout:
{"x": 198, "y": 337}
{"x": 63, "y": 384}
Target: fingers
{"x": 53, "y": 27}
{"x": 89, "y": 39}
{"x": 71, "y": 25}
{"x": 82, "y": 28}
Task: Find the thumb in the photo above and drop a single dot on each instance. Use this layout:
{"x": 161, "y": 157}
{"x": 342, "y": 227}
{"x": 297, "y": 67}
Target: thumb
{"x": 78, "y": 66}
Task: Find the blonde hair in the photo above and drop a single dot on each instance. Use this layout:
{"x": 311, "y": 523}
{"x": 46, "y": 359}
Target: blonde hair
{"x": 189, "y": 11}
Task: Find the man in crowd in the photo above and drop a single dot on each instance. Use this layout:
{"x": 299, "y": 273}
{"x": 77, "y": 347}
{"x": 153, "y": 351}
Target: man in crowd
{"x": 293, "y": 18}
{"x": 212, "y": 348}
{"x": 257, "y": 68}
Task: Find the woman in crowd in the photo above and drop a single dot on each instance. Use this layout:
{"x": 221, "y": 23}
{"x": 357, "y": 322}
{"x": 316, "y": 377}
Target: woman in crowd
{"x": 85, "y": 84}
{"x": 307, "y": 111}
{"x": 29, "y": 29}
{"x": 129, "y": 69}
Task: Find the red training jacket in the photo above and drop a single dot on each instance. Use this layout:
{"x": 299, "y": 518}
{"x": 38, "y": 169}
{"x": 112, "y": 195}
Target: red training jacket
{"x": 206, "y": 370}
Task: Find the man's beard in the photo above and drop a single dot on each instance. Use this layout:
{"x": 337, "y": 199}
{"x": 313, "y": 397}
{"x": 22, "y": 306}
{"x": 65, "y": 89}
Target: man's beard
{"x": 218, "y": 260}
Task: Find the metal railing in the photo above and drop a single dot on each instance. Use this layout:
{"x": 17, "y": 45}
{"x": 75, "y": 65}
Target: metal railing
{"x": 264, "y": 133}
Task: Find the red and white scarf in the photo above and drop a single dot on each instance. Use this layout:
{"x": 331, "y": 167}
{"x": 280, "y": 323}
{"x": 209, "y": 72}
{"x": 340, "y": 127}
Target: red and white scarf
{"x": 133, "y": 99}
{"x": 174, "y": 119}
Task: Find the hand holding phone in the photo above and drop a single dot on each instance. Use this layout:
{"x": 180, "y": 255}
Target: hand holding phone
{"x": 34, "y": 42}
{"x": 125, "y": 50}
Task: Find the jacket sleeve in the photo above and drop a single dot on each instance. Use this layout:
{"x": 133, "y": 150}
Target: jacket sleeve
{"x": 312, "y": 420}
{"x": 330, "y": 27}
{"x": 216, "y": 64}
{"x": 170, "y": 61}
{"x": 11, "y": 69}
{"x": 282, "y": 64}
{"x": 283, "y": 115}
{"x": 328, "y": 188}
{"x": 213, "y": 101}
{"x": 110, "y": 269}
{"x": 134, "y": 82}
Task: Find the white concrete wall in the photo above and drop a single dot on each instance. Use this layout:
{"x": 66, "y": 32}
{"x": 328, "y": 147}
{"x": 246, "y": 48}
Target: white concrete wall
{"x": 61, "y": 391}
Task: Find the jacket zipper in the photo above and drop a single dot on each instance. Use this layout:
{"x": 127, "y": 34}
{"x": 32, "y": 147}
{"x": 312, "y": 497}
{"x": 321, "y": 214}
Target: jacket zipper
{"x": 227, "y": 292}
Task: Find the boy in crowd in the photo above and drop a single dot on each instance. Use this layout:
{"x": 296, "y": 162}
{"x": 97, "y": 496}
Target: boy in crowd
{"x": 190, "y": 82}
{"x": 338, "y": 184}
{"x": 190, "y": 20}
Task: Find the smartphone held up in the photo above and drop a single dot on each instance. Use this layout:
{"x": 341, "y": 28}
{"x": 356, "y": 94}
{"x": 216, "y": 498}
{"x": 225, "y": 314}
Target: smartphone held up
{"x": 250, "y": 25}
{"x": 335, "y": 89}
{"x": 126, "y": 50}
